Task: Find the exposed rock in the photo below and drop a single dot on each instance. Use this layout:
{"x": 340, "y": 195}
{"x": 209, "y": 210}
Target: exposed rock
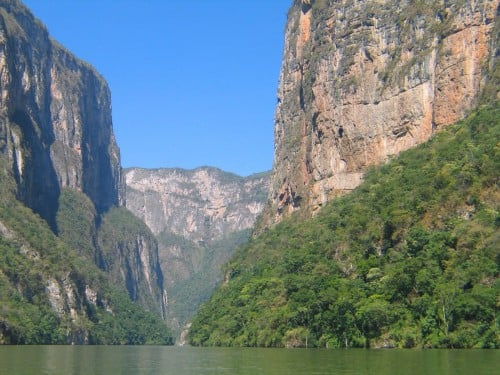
{"x": 203, "y": 204}
{"x": 199, "y": 217}
{"x": 56, "y": 139}
{"x": 364, "y": 80}
{"x": 130, "y": 255}
{"x": 55, "y": 118}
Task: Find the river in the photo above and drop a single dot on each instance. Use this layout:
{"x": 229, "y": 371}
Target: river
{"x": 138, "y": 360}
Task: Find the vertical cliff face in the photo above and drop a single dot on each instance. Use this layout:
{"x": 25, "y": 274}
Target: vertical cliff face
{"x": 57, "y": 141}
{"x": 129, "y": 253}
{"x": 55, "y": 118}
{"x": 119, "y": 243}
{"x": 364, "y": 80}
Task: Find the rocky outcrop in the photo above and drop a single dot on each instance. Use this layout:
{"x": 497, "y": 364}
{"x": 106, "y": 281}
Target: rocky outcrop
{"x": 199, "y": 218}
{"x": 55, "y": 118}
{"x": 364, "y": 80}
{"x": 49, "y": 295}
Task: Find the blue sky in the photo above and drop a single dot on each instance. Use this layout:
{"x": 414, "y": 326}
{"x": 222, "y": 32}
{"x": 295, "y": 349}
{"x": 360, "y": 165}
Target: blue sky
{"x": 193, "y": 83}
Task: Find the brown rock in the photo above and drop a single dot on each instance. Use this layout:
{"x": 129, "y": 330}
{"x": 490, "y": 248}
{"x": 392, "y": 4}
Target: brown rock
{"x": 362, "y": 81}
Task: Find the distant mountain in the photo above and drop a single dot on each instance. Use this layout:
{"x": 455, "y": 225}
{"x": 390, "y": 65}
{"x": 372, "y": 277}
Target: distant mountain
{"x": 199, "y": 217}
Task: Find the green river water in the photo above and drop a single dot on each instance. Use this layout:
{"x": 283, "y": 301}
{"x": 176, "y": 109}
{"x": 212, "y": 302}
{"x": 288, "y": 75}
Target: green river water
{"x": 109, "y": 360}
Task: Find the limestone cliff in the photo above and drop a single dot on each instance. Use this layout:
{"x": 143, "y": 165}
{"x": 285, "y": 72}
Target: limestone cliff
{"x": 130, "y": 255}
{"x": 363, "y": 80}
{"x": 55, "y": 118}
{"x": 56, "y": 136}
{"x": 199, "y": 217}
{"x": 51, "y": 295}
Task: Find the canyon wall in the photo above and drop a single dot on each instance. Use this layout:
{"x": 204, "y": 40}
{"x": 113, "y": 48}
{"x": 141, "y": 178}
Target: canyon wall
{"x": 364, "y": 80}
{"x": 55, "y": 118}
{"x": 57, "y": 143}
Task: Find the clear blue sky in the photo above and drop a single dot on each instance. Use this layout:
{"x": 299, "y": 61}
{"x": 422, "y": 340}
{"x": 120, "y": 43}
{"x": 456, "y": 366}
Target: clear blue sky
{"x": 192, "y": 82}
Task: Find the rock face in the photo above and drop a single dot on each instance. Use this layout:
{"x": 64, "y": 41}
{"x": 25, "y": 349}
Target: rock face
{"x": 199, "y": 218}
{"x": 364, "y": 80}
{"x": 204, "y": 204}
{"x": 130, "y": 255}
{"x": 56, "y": 136}
{"x": 55, "y": 118}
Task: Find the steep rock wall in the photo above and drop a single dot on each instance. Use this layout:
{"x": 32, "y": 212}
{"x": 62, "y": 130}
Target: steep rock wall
{"x": 55, "y": 118}
{"x": 56, "y": 137}
{"x": 129, "y": 253}
{"x": 363, "y": 80}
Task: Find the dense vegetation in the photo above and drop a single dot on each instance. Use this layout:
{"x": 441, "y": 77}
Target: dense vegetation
{"x": 35, "y": 266}
{"x": 409, "y": 259}
{"x": 76, "y": 223}
{"x": 199, "y": 274}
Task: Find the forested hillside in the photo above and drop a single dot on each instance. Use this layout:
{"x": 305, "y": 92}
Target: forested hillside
{"x": 409, "y": 259}
{"x": 50, "y": 294}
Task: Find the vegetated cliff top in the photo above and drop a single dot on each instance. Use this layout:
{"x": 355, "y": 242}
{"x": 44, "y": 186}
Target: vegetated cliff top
{"x": 408, "y": 259}
{"x": 19, "y": 18}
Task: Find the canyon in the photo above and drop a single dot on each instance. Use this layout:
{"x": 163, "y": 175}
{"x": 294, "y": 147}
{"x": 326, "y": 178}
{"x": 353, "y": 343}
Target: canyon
{"x": 199, "y": 218}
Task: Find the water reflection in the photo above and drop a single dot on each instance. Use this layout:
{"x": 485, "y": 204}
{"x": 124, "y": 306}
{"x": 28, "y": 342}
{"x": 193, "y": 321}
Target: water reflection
{"x": 142, "y": 360}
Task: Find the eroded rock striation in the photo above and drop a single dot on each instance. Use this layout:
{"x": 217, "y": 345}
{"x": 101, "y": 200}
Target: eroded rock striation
{"x": 203, "y": 204}
{"x": 363, "y": 80}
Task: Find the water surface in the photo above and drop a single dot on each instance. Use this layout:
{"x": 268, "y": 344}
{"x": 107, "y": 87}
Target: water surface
{"x": 125, "y": 360}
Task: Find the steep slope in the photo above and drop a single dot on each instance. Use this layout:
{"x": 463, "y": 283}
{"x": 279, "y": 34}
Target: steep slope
{"x": 55, "y": 118}
{"x": 57, "y": 142}
{"x": 409, "y": 259}
{"x": 199, "y": 217}
{"x": 118, "y": 243}
{"x": 130, "y": 256}
{"x": 364, "y": 80}
{"x": 50, "y": 295}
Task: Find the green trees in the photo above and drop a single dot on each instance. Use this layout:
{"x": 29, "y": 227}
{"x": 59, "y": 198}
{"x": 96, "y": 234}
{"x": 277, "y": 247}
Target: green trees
{"x": 42, "y": 279}
{"x": 409, "y": 259}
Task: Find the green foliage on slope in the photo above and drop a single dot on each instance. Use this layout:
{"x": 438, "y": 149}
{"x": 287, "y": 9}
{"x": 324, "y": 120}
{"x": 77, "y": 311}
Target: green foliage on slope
{"x": 200, "y": 272}
{"x": 76, "y": 222}
{"x": 49, "y": 294}
{"x": 408, "y": 259}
